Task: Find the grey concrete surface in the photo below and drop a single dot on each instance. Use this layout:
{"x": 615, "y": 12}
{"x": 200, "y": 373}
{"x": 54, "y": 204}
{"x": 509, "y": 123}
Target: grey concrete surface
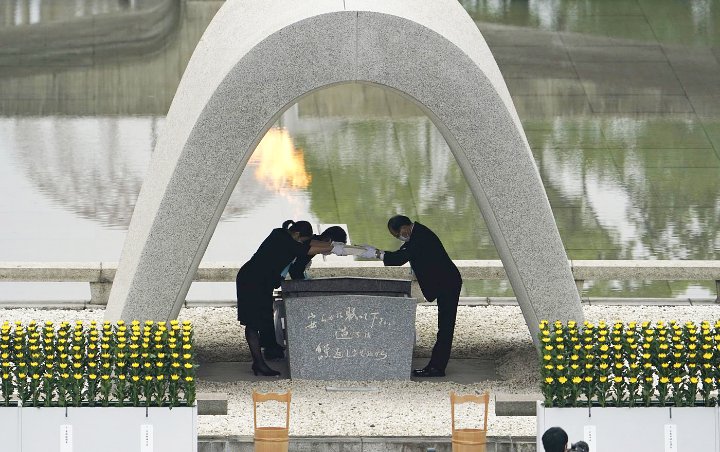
{"x": 212, "y": 403}
{"x": 516, "y": 404}
{"x": 365, "y": 444}
{"x": 464, "y": 371}
{"x": 431, "y": 52}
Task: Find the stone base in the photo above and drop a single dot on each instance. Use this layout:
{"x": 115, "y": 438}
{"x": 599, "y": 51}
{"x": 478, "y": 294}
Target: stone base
{"x": 350, "y": 337}
{"x": 365, "y": 444}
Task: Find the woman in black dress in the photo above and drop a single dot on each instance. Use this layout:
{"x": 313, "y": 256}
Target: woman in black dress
{"x": 332, "y": 234}
{"x": 264, "y": 272}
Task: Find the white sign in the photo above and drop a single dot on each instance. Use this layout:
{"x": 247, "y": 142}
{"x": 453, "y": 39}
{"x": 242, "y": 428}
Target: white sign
{"x": 146, "y": 438}
{"x": 589, "y": 436}
{"x": 66, "y": 438}
{"x": 671, "y": 438}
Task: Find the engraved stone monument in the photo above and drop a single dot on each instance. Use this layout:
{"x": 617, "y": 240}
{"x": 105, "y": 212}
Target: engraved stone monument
{"x": 336, "y": 335}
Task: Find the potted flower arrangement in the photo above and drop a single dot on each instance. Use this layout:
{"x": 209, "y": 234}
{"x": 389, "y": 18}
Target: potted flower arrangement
{"x": 98, "y": 386}
{"x": 635, "y": 386}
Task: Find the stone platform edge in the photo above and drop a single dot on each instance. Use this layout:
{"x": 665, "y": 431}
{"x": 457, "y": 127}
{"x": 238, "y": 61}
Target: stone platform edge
{"x": 237, "y": 443}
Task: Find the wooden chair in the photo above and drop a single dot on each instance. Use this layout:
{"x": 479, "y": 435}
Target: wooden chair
{"x": 271, "y": 439}
{"x": 469, "y": 439}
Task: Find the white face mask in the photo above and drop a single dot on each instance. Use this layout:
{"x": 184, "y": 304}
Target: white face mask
{"x": 402, "y": 238}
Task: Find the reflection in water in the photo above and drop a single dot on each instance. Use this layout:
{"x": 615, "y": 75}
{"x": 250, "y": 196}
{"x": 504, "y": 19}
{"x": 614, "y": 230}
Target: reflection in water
{"x": 280, "y": 166}
{"x": 30, "y": 12}
{"x": 671, "y": 21}
{"x": 622, "y": 186}
{"x": 609, "y": 203}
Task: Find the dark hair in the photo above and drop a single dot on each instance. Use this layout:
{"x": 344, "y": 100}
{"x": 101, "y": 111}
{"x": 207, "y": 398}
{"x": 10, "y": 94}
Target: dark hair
{"x": 334, "y": 233}
{"x": 398, "y": 221}
{"x": 554, "y": 440}
{"x": 303, "y": 227}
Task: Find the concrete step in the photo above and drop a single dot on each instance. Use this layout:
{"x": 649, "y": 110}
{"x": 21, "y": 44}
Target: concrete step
{"x": 364, "y": 444}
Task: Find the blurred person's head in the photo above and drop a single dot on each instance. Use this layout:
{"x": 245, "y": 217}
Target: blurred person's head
{"x": 334, "y": 234}
{"x": 555, "y": 440}
{"x": 400, "y": 227}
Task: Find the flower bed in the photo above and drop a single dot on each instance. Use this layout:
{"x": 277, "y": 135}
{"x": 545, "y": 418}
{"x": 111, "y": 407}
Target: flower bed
{"x": 626, "y": 365}
{"x": 73, "y": 365}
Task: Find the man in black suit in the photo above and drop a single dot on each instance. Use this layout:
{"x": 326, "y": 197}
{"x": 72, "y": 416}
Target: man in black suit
{"x": 439, "y": 279}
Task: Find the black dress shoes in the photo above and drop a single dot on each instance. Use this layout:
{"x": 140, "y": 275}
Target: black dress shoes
{"x": 428, "y": 372}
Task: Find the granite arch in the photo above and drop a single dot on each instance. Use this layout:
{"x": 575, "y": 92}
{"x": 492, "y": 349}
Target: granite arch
{"x": 257, "y": 58}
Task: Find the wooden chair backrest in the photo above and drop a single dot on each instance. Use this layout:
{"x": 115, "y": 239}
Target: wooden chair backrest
{"x": 259, "y": 397}
{"x": 470, "y": 398}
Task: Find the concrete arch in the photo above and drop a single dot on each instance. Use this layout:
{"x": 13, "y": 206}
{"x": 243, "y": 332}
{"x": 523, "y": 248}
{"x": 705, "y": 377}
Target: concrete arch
{"x": 257, "y": 58}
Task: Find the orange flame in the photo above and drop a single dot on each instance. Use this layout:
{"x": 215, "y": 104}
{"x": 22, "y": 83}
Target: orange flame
{"x": 279, "y": 165}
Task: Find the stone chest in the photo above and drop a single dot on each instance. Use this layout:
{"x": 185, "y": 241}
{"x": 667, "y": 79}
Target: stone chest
{"x": 349, "y": 328}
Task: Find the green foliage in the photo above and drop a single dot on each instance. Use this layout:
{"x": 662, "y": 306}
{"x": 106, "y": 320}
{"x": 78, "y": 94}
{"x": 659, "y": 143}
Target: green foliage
{"x": 629, "y": 364}
{"x": 150, "y": 364}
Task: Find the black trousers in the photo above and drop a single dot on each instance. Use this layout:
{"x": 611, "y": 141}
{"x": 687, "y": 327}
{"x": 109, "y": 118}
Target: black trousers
{"x": 447, "y": 302}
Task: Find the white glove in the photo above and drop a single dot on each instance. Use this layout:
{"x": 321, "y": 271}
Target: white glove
{"x": 338, "y": 249}
{"x": 370, "y": 252}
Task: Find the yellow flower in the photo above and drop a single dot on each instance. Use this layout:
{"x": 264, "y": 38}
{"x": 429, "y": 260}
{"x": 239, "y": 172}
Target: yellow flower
{"x": 105, "y": 377}
{"x": 545, "y": 357}
{"x": 121, "y": 377}
{"x": 77, "y": 376}
{"x": 189, "y": 366}
{"x": 562, "y": 380}
{"x": 633, "y": 380}
{"x": 694, "y": 380}
{"x": 160, "y": 377}
{"x": 135, "y": 378}
{"x": 576, "y": 380}
{"x": 92, "y": 376}
{"x": 175, "y": 377}
{"x": 148, "y": 378}
{"x": 664, "y": 380}
{"x": 189, "y": 379}
{"x": 677, "y": 380}
{"x": 618, "y": 379}
{"x": 707, "y": 381}
{"x": 603, "y": 379}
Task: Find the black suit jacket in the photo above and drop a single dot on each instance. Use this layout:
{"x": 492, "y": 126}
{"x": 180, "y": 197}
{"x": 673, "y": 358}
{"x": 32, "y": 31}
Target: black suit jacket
{"x": 434, "y": 269}
{"x": 297, "y": 268}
